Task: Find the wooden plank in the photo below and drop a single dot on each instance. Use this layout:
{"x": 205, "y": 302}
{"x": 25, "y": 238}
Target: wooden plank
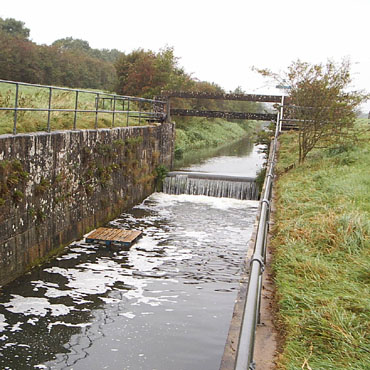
{"x": 110, "y": 235}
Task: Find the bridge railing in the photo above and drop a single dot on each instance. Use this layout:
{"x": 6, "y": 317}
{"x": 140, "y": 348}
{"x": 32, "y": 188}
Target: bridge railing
{"x": 97, "y": 103}
{"x": 251, "y": 312}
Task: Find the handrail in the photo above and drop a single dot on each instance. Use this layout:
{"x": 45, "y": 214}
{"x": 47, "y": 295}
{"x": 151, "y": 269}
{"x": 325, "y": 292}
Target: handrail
{"x": 156, "y": 113}
{"x": 244, "y": 355}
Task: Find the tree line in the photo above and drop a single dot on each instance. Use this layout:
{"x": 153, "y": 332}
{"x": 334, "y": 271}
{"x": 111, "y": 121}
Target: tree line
{"x": 63, "y": 63}
{"x": 73, "y": 63}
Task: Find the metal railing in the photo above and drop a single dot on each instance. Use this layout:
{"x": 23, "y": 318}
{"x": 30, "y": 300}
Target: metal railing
{"x": 141, "y": 108}
{"x": 251, "y": 313}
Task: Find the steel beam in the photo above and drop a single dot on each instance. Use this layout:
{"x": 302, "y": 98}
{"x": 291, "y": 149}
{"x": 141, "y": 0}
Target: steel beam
{"x": 206, "y": 95}
{"x": 226, "y": 115}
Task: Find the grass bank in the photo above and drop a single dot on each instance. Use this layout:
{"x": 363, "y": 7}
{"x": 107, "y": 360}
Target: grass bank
{"x": 198, "y": 133}
{"x": 321, "y": 256}
{"x": 35, "y": 97}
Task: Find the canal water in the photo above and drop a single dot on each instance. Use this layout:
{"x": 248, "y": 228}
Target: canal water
{"x": 165, "y": 303}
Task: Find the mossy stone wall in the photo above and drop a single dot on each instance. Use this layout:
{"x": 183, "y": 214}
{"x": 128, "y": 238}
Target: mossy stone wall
{"x": 55, "y": 187}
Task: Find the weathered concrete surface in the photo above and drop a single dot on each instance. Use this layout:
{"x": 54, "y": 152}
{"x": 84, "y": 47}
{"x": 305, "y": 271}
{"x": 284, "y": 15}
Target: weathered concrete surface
{"x": 55, "y": 187}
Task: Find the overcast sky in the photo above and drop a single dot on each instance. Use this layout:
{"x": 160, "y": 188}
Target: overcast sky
{"x": 217, "y": 41}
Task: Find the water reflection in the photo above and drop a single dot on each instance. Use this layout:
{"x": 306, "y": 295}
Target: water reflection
{"x": 242, "y": 158}
{"x": 165, "y": 303}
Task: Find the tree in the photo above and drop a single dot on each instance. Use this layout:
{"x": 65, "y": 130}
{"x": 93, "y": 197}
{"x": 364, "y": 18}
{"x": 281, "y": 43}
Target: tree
{"x": 145, "y": 73}
{"x": 14, "y": 28}
{"x": 71, "y": 44}
{"x": 319, "y": 102}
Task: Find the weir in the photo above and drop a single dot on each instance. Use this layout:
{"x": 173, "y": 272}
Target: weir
{"x": 214, "y": 185}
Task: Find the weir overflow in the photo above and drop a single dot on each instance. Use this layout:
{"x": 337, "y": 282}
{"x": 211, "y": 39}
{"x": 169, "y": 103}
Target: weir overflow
{"x": 214, "y": 185}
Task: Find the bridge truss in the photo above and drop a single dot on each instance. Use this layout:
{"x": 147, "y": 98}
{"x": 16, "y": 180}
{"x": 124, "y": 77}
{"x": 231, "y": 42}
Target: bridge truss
{"x": 220, "y": 114}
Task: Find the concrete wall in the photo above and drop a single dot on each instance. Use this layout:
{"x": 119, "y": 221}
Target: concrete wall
{"x": 55, "y": 187}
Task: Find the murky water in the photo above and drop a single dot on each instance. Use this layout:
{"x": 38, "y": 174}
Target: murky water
{"x": 165, "y": 303}
{"x": 242, "y": 158}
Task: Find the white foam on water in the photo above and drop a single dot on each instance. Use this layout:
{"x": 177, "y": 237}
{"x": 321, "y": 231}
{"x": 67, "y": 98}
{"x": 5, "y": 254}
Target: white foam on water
{"x": 32, "y": 321}
{"x": 68, "y": 256}
{"x": 35, "y": 306}
{"x": 3, "y": 323}
{"x": 110, "y": 300}
{"x": 168, "y": 200}
{"x": 16, "y": 327}
{"x": 40, "y": 366}
{"x": 81, "y": 325}
{"x": 129, "y": 315}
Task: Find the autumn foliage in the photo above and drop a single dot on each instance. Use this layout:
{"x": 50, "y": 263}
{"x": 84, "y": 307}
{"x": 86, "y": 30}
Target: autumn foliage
{"x": 320, "y": 103}
{"x": 25, "y": 61}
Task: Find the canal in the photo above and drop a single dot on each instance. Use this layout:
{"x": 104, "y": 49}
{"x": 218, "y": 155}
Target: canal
{"x": 165, "y": 303}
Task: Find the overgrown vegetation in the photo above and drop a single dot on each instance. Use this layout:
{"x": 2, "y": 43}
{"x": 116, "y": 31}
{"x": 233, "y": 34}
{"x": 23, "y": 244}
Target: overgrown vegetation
{"x": 319, "y": 103}
{"x": 31, "y": 121}
{"x": 72, "y": 62}
{"x": 12, "y": 176}
{"x": 161, "y": 173}
{"x": 321, "y": 255}
{"x": 196, "y": 133}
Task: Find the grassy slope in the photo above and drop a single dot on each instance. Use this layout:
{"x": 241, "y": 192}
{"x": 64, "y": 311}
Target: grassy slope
{"x": 321, "y": 258}
{"x": 199, "y": 133}
{"x": 32, "y": 97}
{"x": 191, "y": 134}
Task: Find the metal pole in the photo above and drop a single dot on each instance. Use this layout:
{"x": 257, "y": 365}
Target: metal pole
{"x": 128, "y": 110}
{"x": 139, "y": 112}
{"x": 49, "y": 107}
{"x": 281, "y": 113}
{"x": 114, "y": 108}
{"x": 76, "y": 106}
{"x": 97, "y": 109}
{"x": 244, "y": 356}
{"x": 15, "y": 109}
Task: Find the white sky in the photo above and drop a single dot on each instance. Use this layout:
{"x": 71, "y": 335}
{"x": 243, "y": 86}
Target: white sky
{"x": 216, "y": 40}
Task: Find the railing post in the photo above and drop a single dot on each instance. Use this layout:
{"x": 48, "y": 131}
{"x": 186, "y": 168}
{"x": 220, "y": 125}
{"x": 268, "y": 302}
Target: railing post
{"x": 140, "y": 112}
{"x": 15, "y": 109}
{"x": 281, "y": 113}
{"x": 49, "y": 107}
{"x": 114, "y": 110}
{"x": 97, "y": 109}
{"x": 128, "y": 110}
{"x": 76, "y": 106}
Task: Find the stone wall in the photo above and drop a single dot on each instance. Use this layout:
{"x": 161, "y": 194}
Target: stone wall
{"x": 55, "y": 187}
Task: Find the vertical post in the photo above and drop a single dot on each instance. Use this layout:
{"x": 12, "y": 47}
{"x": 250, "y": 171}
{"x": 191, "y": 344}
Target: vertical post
{"x": 128, "y": 110}
{"x": 76, "y": 106}
{"x": 281, "y": 113}
{"x": 49, "y": 107}
{"x": 140, "y": 105}
{"x": 15, "y": 109}
{"x": 97, "y": 110}
{"x": 114, "y": 110}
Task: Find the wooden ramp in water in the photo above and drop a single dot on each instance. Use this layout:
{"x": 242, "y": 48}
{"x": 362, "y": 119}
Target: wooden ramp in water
{"x": 110, "y": 236}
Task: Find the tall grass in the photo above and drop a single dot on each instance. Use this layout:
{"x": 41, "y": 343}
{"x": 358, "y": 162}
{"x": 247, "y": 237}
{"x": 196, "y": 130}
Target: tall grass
{"x": 34, "y": 97}
{"x": 321, "y": 256}
{"x": 197, "y": 133}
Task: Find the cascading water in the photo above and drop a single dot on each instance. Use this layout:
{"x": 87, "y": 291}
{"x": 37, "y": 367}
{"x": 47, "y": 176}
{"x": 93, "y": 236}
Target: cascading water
{"x": 193, "y": 183}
